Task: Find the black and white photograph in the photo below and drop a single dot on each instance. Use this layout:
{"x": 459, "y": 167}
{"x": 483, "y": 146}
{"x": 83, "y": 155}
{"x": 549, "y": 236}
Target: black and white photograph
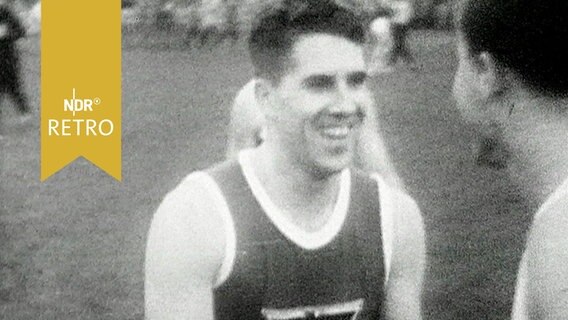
{"x": 299, "y": 159}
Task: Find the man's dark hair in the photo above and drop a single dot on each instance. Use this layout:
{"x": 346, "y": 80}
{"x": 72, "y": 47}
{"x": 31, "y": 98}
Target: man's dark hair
{"x": 526, "y": 36}
{"x": 273, "y": 36}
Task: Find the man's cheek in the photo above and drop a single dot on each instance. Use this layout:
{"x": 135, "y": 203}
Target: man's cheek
{"x": 364, "y": 99}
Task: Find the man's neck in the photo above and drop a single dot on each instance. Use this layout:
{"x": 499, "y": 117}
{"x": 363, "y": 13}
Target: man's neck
{"x": 304, "y": 197}
{"x": 537, "y": 133}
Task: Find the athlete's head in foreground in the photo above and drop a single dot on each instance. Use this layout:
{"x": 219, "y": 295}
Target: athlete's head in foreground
{"x": 513, "y": 75}
{"x": 510, "y": 52}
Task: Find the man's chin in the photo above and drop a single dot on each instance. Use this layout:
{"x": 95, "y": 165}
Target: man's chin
{"x": 481, "y": 123}
{"x": 491, "y": 150}
{"x": 472, "y": 114}
{"x": 326, "y": 168}
{"x": 487, "y": 129}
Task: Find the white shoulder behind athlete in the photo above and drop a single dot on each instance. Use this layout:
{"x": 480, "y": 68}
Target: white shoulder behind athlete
{"x": 246, "y": 131}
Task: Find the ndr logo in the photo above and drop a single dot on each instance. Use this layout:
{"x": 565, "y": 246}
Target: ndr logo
{"x": 81, "y": 126}
{"x": 79, "y": 105}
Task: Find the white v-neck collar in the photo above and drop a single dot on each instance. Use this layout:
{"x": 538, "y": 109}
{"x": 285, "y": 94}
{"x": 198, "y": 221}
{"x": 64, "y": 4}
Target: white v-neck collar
{"x": 304, "y": 239}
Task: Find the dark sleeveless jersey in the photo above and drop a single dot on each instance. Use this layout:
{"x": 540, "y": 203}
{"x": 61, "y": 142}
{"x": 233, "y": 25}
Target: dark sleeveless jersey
{"x": 274, "y": 278}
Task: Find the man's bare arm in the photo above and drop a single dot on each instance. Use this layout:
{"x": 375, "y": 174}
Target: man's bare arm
{"x": 404, "y": 286}
{"x": 183, "y": 254}
{"x": 547, "y": 263}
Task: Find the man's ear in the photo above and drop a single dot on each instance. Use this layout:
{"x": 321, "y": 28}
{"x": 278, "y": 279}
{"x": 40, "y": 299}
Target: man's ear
{"x": 264, "y": 95}
{"x": 492, "y": 80}
{"x": 262, "y": 89}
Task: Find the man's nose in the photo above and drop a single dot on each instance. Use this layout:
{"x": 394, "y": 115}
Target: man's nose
{"x": 345, "y": 100}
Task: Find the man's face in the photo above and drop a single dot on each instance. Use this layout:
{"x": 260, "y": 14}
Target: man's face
{"x": 476, "y": 90}
{"x": 319, "y": 104}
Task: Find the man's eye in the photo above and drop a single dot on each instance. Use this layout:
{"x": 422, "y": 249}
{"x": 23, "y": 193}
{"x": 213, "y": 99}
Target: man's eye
{"x": 320, "y": 82}
{"x": 357, "y": 79}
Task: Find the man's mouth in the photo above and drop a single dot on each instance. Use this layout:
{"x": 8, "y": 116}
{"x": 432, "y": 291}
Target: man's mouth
{"x": 338, "y": 127}
{"x": 336, "y": 132}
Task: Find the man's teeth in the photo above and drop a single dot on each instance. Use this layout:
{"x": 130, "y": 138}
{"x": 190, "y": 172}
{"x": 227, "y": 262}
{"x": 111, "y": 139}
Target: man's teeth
{"x": 336, "y": 132}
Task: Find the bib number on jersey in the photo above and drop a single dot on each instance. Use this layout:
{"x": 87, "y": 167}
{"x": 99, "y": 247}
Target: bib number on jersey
{"x": 339, "y": 311}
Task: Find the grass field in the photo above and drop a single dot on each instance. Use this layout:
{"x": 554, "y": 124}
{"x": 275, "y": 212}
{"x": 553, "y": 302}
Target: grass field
{"x": 73, "y": 247}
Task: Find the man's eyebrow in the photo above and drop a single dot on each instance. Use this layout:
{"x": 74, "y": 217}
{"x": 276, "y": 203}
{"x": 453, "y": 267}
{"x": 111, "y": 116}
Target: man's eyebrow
{"x": 319, "y": 81}
{"x": 358, "y": 75}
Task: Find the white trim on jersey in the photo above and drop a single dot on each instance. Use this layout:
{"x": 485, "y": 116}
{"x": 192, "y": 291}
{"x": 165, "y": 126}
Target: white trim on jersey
{"x": 386, "y": 200}
{"x": 304, "y": 239}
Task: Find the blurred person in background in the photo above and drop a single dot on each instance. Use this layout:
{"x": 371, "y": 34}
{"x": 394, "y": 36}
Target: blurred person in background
{"x": 380, "y": 44}
{"x": 402, "y": 14}
{"x": 11, "y": 30}
{"x": 215, "y": 21}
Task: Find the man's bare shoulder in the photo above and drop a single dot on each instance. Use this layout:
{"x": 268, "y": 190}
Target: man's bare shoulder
{"x": 194, "y": 208}
{"x": 552, "y": 218}
{"x": 410, "y": 218}
{"x": 184, "y": 251}
{"x": 546, "y": 256}
{"x": 406, "y": 210}
{"x": 188, "y": 192}
{"x": 400, "y": 195}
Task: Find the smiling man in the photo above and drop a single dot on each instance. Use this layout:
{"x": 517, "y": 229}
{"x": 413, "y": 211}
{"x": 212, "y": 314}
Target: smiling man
{"x": 287, "y": 230}
{"x": 246, "y": 130}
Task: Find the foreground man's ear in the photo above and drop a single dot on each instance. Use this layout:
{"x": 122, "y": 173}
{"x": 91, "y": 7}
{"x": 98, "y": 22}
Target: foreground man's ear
{"x": 264, "y": 95}
{"x": 492, "y": 79}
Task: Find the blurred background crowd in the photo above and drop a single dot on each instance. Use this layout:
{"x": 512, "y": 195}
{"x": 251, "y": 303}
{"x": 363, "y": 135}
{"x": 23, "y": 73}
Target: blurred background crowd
{"x": 233, "y": 15}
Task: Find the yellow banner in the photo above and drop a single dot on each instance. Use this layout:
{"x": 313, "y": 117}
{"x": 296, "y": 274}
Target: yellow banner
{"x": 81, "y": 84}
